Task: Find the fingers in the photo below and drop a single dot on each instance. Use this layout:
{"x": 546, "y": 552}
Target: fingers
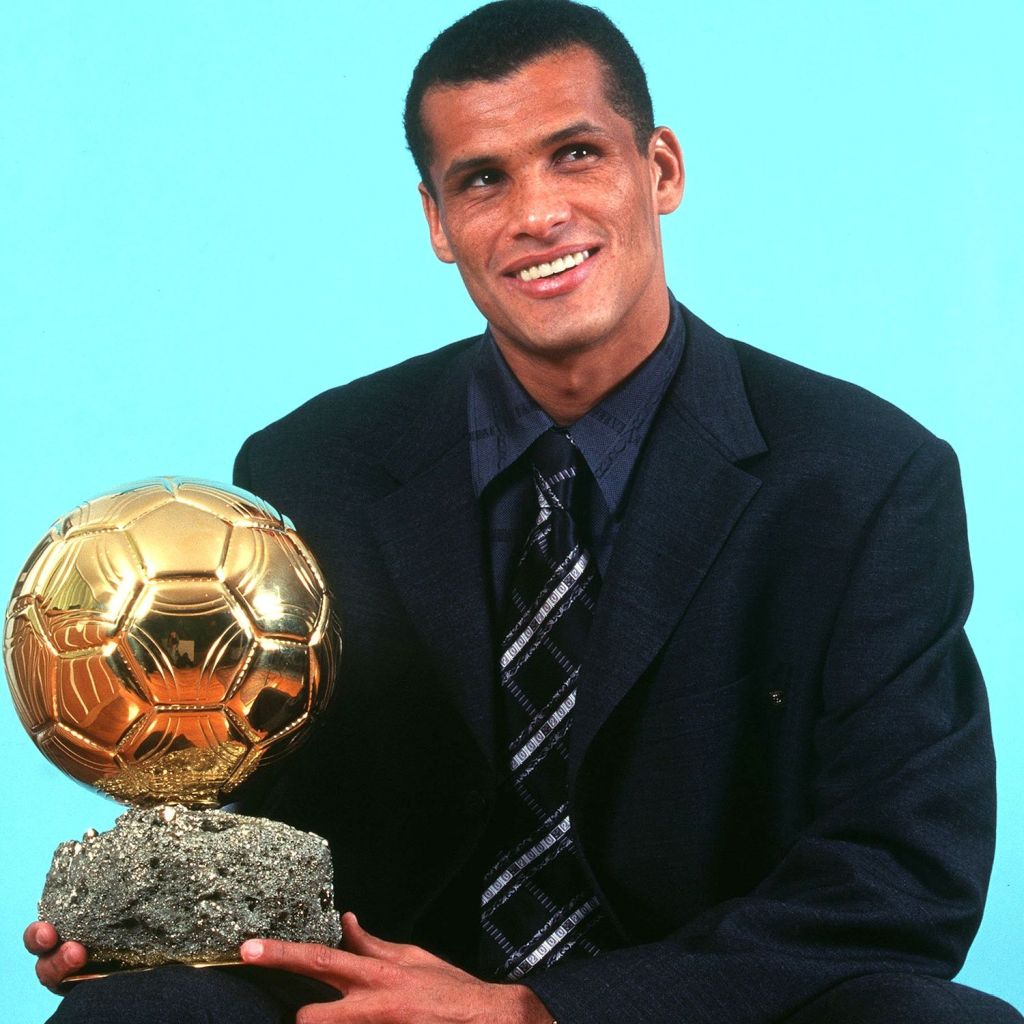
{"x": 359, "y": 941}
{"x": 56, "y": 960}
{"x": 325, "y": 1013}
{"x": 339, "y": 1012}
{"x": 331, "y": 966}
{"x": 53, "y": 968}
{"x": 40, "y": 937}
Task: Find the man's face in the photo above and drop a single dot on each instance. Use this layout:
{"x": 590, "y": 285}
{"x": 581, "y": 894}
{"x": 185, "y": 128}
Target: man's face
{"x": 537, "y": 172}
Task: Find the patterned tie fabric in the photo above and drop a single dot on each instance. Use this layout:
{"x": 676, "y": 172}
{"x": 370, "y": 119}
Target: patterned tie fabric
{"x": 536, "y": 904}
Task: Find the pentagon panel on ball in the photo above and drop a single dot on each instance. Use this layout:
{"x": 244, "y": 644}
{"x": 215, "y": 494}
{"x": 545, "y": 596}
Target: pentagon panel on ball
{"x": 161, "y": 643}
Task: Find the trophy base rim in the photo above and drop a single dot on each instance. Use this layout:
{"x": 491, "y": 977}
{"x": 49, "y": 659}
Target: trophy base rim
{"x": 293, "y": 990}
{"x": 93, "y": 971}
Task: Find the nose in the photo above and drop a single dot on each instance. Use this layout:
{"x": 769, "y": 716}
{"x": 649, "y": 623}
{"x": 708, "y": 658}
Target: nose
{"x": 540, "y": 206}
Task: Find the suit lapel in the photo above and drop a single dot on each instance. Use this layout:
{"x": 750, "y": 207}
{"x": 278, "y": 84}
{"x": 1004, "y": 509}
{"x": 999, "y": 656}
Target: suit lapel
{"x": 430, "y": 533}
{"x": 686, "y": 498}
{"x": 688, "y": 495}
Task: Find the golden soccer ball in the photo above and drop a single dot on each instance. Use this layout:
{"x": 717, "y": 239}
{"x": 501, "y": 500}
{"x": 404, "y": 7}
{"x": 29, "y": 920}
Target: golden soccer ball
{"x": 164, "y": 641}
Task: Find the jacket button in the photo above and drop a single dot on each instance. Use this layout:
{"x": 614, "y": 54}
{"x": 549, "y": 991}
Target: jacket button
{"x": 777, "y": 697}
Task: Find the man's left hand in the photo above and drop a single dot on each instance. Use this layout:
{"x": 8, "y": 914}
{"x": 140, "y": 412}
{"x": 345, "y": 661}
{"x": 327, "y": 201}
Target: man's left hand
{"x": 382, "y": 982}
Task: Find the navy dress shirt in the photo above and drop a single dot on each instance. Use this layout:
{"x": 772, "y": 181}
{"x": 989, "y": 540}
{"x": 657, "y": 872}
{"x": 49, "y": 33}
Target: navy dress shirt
{"x": 504, "y": 421}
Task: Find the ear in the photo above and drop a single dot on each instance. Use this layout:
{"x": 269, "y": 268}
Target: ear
{"x": 668, "y": 176}
{"x": 438, "y": 239}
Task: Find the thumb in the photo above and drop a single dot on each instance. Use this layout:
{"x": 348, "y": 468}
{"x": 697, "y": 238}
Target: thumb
{"x": 355, "y": 939}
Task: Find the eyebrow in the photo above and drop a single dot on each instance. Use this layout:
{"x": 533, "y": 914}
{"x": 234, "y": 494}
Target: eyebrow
{"x": 573, "y": 130}
{"x": 474, "y": 163}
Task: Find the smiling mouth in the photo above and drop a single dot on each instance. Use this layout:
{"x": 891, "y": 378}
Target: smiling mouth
{"x": 558, "y": 266}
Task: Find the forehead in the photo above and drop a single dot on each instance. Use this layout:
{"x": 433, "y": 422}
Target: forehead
{"x": 515, "y": 113}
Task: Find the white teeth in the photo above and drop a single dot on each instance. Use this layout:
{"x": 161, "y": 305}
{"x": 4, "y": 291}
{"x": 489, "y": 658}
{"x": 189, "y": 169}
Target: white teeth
{"x": 556, "y": 266}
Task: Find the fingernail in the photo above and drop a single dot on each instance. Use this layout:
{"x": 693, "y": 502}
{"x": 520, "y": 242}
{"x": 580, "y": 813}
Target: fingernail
{"x": 252, "y": 949}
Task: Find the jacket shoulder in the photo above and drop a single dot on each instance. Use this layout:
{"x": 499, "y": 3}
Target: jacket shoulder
{"x": 336, "y": 439}
{"x": 796, "y": 407}
{"x": 369, "y": 407}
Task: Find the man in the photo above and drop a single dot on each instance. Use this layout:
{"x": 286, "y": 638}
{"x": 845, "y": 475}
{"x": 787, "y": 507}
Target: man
{"x": 758, "y": 784}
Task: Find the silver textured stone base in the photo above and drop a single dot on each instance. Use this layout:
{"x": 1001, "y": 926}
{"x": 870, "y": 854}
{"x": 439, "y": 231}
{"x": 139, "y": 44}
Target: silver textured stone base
{"x": 173, "y": 885}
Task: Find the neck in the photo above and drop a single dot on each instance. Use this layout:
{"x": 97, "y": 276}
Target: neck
{"x": 567, "y": 389}
{"x": 567, "y": 385}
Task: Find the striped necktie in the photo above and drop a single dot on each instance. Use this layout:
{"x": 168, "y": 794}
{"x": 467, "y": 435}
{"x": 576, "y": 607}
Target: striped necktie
{"x": 536, "y": 904}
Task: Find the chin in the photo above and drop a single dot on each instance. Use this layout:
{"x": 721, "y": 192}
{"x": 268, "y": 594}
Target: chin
{"x": 556, "y": 346}
{"x": 572, "y": 337}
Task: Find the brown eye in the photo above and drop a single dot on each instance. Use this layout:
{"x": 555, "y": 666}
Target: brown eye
{"x": 483, "y": 179}
{"x": 575, "y": 153}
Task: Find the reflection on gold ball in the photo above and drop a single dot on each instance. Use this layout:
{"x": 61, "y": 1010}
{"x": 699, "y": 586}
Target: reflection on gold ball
{"x": 163, "y": 641}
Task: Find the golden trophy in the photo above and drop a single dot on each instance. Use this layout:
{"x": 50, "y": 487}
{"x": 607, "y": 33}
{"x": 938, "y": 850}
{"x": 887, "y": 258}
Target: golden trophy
{"x": 162, "y": 643}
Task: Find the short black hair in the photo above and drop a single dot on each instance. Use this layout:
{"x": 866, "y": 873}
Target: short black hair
{"x": 496, "y": 40}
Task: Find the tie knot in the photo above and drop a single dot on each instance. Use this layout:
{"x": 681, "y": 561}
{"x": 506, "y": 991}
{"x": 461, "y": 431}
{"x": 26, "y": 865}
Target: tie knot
{"x": 553, "y": 456}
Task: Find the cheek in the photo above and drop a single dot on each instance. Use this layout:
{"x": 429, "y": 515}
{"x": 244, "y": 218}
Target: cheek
{"x": 472, "y": 250}
{"x": 636, "y": 214}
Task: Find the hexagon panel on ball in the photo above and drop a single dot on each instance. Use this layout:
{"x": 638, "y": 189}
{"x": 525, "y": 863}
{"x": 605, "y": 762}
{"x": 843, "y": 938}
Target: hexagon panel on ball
{"x": 164, "y": 640}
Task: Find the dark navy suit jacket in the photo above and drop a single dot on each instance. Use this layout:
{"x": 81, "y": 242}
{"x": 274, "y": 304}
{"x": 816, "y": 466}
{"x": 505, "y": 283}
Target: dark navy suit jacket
{"x": 781, "y": 766}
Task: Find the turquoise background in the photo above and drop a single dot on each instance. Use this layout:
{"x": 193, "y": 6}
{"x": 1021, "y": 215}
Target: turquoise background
{"x": 207, "y": 215}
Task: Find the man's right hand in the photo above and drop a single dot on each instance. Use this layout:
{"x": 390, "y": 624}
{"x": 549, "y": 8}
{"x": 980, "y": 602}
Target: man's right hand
{"x": 56, "y": 959}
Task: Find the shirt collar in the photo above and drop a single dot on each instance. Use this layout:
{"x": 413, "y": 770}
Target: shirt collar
{"x": 504, "y": 420}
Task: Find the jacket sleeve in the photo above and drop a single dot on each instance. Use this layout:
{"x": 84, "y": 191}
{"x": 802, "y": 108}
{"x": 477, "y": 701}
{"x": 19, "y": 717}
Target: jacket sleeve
{"x": 890, "y": 873}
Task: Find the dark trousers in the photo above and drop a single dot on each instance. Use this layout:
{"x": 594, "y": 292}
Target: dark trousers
{"x": 186, "y": 995}
{"x": 181, "y": 995}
